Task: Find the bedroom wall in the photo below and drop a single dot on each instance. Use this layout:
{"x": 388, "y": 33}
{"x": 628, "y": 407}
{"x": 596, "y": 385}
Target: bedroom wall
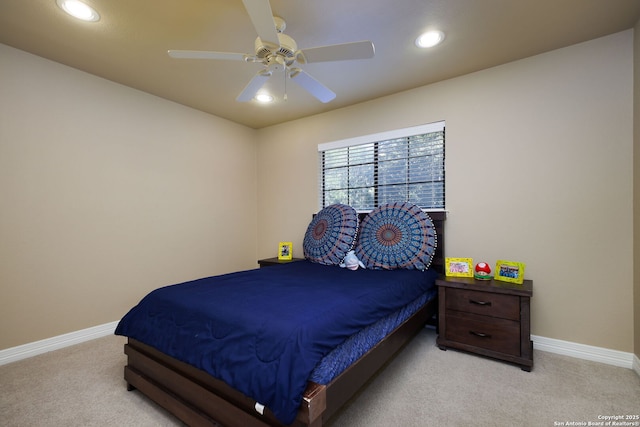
{"x": 539, "y": 162}
{"x": 636, "y": 188}
{"x": 107, "y": 193}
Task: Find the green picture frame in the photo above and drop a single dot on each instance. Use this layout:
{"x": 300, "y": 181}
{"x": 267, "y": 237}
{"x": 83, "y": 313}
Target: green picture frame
{"x": 459, "y": 267}
{"x": 509, "y": 271}
{"x": 285, "y": 251}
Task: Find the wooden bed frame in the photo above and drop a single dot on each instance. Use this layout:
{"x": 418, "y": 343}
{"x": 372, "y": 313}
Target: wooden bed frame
{"x": 198, "y": 399}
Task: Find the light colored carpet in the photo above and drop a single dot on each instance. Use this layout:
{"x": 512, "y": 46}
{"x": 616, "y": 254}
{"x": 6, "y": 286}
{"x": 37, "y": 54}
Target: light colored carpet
{"x": 423, "y": 386}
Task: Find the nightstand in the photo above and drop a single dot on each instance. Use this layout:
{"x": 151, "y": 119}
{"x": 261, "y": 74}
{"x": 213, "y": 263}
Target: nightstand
{"x": 486, "y": 317}
{"x": 275, "y": 261}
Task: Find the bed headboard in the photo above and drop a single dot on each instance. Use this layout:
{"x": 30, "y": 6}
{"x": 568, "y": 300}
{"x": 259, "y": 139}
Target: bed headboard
{"x": 438, "y": 219}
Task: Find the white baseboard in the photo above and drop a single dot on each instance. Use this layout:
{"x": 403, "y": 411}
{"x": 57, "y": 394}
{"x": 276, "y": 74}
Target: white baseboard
{"x": 587, "y": 352}
{"x": 20, "y": 352}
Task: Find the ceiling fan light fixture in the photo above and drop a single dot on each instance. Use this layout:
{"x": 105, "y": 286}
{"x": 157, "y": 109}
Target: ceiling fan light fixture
{"x": 264, "y": 98}
{"x": 430, "y": 39}
{"x": 79, "y": 10}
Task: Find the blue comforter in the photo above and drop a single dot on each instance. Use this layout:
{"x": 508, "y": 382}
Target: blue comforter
{"x": 263, "y": 331}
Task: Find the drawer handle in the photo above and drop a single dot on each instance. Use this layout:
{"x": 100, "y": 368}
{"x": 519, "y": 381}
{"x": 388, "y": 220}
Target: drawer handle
{"x": 487, "y": 303}
{"x": 480, "y": 334}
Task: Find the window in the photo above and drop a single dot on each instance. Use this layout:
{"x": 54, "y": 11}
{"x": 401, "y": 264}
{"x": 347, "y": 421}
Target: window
{"x": 406, "y": 165}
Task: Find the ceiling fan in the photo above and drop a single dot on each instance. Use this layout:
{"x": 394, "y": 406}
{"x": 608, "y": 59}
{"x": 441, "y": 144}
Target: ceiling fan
{"x": 277, "y": 51}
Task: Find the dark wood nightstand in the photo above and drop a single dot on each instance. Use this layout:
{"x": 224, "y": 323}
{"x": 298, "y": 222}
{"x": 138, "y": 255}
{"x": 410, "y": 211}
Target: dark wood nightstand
{"x": 486, "y": 317}
{"x": 275, "y": 261}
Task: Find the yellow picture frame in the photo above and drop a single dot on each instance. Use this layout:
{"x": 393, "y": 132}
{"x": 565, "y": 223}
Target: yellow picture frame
{"x": 510, "y": 271}
{"x": 459, "y": 267}
{"x": 285, "y": 251}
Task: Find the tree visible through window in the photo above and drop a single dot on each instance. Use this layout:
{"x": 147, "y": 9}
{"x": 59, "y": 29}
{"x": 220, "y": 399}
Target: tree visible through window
{"x": 399, "y": 169}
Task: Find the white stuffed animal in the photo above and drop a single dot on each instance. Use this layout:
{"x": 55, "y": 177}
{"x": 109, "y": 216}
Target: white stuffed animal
{"x": 351, "y": 261}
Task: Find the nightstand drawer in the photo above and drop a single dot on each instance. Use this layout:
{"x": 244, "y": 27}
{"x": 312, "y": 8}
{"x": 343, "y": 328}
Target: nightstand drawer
{"x": 491, "y": 333}
{"x": 485, "y": 303}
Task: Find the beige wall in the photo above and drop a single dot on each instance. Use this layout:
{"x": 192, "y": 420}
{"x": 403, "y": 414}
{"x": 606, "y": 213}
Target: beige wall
{"x": 539, "y": 170}
{"x": 107, "y": 193}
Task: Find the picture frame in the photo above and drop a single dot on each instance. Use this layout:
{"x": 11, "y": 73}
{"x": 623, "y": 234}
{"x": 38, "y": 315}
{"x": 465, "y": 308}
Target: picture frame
{"x": 510, "y": 271}
{"x": 285, "y": 251}
{"x": 459, "y": 267}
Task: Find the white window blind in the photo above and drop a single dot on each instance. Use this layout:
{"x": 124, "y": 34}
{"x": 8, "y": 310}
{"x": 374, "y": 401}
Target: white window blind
{"x": 406, "y": 165}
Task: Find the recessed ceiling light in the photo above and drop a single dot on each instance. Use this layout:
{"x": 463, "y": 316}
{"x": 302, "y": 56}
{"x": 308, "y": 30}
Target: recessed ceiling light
{"x": 430, "y": 39}
{"x": 264, "y": 98}
{"x": 79, "y": 10}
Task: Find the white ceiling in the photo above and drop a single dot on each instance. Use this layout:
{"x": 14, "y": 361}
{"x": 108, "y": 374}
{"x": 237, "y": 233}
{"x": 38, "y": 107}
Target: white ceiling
{"x": 129, "y": 44}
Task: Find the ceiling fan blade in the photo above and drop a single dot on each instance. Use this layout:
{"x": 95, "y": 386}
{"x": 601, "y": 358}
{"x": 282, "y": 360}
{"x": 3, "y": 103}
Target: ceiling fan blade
{"x": 254, "y": 86}
{"x": 262, "y": 19}
{"x": 337, "y": 52}
{"x": 311, "y": 85}
{"x": 203, "y": 54}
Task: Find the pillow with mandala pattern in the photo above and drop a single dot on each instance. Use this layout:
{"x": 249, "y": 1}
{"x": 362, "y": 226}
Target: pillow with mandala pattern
{"x": 395, "y": 236}
{"x": 331, "y": 234}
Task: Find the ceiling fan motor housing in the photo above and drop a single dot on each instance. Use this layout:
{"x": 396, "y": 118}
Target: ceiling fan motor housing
{"x": 287, "y": 48}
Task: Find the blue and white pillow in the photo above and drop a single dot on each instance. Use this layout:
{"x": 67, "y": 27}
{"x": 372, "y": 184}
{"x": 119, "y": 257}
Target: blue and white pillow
{"x": 397, "y": 235}
{"x": 331, "y": 234}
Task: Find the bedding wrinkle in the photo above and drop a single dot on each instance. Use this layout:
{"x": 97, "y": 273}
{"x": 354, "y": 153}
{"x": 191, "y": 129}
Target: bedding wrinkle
{"x": 264, "y": 331}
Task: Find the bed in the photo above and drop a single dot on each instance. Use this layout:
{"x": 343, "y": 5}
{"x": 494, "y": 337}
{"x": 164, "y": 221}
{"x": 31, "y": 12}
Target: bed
{"x": 296, "y": 360}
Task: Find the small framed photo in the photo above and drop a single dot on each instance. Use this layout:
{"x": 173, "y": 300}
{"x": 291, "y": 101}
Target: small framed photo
{"x": 459, "y": 267}
{"x": 509, "y": 271}
{"x": 285, "y": 251}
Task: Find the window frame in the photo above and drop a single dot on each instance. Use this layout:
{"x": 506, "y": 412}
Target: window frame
{"x": 376, "y": 139}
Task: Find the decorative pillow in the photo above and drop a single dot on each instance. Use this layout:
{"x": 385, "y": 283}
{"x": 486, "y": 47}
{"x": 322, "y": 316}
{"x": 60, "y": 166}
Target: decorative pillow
{"x": 397, "y": 235}
{"x": 331, "y": 234}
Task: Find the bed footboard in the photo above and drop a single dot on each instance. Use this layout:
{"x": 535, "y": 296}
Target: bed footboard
{"x": 201, "y": 400}
{"x": 198, "y": 399}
